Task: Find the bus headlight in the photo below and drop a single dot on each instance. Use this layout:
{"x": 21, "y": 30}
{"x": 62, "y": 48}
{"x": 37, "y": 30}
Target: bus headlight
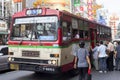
{"x": 49, "y": 62}
{"x": 52, "y": 62}
{"x": 11, "y": 59}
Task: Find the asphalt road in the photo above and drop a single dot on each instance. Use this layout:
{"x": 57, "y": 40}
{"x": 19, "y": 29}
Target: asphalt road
{"x": 29, "y": 75}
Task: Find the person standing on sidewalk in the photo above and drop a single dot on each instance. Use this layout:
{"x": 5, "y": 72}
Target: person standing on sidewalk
{"x": 95, "y": 55}
{"x": 82, "y": 61}
{"x": 110, "y": 48}
{"x": 102, "y": 56}
{"x": 117, "y": 57}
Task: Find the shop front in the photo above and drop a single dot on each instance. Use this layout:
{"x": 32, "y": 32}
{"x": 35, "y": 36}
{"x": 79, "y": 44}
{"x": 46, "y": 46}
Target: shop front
{"x": 3, "y": 31}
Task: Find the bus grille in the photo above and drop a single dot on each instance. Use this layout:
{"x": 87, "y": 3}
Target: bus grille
{"x": 22, "y": 60}
{"x": 30, "y": 53}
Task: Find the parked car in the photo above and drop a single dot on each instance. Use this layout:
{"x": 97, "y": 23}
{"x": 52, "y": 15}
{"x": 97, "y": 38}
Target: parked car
{"x": 4, "y": 64}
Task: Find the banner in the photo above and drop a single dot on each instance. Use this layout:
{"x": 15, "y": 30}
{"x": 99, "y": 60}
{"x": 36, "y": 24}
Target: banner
{"x": 15, "y": 1}
{"x": 76, "y": 2}
{"x": 52, "y": 4}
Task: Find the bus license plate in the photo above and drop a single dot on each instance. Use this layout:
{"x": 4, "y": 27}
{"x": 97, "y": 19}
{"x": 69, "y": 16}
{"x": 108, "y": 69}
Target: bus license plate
{"x": 14, "y": 66}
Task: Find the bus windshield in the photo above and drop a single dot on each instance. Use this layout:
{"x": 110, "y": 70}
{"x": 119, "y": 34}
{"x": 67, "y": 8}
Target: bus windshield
{"x": 35, "y": 28}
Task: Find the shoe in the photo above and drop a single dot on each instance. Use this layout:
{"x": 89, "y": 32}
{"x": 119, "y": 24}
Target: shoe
{"x": 100, "y": 71}
{"x": 105, "y": 71}
{"x": 110, "y": 70}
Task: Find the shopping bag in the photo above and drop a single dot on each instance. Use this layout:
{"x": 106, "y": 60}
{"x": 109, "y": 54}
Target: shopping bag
{"x": 89, "y": 71}
{"x": 88, "y": 75}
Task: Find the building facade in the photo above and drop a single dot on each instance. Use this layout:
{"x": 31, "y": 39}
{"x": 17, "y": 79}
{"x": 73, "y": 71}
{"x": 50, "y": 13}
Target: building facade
{"x": 5, "y": 13}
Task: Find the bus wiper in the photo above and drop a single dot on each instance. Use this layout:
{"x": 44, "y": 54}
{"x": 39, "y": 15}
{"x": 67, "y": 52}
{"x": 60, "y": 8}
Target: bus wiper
{"x": 38, "y": 38}
{"x": 21, "y": 41}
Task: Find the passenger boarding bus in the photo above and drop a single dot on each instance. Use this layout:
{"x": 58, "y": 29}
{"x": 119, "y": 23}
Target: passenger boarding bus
{"x": 44, "y": 40}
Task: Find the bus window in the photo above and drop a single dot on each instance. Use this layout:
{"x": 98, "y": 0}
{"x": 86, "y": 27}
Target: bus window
{"x": 51, "y": 30}
{"x": 81, "y": 34}
{"x": 47, "y": 31}
{"x": 35, "y": 29}
{"x": 76, "y": 34}
{"x": 40, "y": 29}
{"x": 16, "y": 31}
{"x": 86, "y": 34}
{"x": 67, "y": 31}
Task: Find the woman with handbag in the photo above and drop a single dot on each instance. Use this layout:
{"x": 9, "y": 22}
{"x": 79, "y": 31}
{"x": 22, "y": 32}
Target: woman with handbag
{"x": 82, "y": 61}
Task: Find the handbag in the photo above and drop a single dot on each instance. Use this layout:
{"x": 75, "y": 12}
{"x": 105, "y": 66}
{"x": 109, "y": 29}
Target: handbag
{"x": 88, "y": 75}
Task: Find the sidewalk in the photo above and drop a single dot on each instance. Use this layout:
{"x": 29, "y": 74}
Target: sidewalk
{"x": 113, "y": 75}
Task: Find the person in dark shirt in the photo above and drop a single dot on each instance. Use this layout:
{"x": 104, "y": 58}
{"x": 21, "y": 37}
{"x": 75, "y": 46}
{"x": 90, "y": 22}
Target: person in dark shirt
{"x": 117, "y": 56}
{"x": 110, "y": 49}
{"x": 82, "y": 61}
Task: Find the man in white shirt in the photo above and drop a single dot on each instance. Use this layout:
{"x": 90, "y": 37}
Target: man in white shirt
{"x": 102, "y": 56}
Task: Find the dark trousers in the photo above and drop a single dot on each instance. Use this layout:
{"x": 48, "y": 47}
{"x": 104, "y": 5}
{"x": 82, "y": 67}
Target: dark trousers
{"x": 102, "y": 63}
{"x": 82, "y": 72}
{"x": 117, "y": 63}
{"x": 110, "y": 61}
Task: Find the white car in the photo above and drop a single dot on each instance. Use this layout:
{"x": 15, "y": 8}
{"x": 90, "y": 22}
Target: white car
{"x": 4, "y": 64}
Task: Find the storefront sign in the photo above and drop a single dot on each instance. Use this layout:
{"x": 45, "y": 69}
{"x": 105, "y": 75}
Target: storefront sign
{"x": 3, "y": 25}
{"x": 76, "y": 2}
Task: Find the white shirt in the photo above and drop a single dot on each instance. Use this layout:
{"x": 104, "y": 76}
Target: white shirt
{"x": 102, "y": 51}
{"x": 95, "y": 52}
{"x": 110, "y": 46}
{"x": 77, "y": 36}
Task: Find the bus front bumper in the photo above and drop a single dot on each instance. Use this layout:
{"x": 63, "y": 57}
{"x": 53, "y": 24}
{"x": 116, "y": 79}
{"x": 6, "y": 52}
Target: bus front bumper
{"x": 35, "y": 67}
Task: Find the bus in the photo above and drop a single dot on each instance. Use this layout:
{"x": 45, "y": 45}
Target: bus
{"x": 44, "y": 40}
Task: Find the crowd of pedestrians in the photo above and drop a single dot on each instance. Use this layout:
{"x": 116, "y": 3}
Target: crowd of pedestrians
{"x": 105, "y": 57}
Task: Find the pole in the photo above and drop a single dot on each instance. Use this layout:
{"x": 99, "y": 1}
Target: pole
{"x": 2, "y": 8}
{"x": 71, "y": 5}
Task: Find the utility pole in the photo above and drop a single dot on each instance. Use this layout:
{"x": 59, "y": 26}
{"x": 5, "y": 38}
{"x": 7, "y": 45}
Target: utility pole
{"x": 2, "y": 8}
{"x": 71, "y": 6}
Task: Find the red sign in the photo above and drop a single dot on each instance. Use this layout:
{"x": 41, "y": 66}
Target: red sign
{"x": 81, "y": 8}
{"x": 15, "y": 1}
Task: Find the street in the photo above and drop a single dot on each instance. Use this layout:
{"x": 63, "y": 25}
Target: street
{"x": 29, "y": 75}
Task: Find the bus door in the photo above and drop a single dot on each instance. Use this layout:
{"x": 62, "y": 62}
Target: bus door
{"x": 93, "y": 37}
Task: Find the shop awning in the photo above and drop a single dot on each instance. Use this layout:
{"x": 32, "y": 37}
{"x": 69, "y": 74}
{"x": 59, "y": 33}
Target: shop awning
{"x": 3, "y": 32}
